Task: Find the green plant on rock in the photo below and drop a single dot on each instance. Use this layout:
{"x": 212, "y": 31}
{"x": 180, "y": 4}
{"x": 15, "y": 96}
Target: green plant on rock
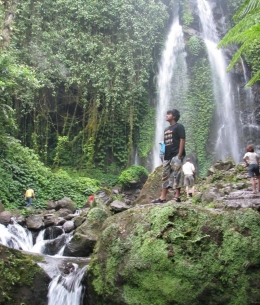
{"x": 194, "y": 46}
{"x": 133, "y": 173}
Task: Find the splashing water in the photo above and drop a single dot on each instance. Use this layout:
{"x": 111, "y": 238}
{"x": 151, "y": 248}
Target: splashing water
{"x": 67, "y": 290}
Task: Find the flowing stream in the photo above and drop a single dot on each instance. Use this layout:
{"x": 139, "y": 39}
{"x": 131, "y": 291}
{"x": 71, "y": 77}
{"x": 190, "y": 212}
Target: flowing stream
{"x": 171, "y": 80}
{"x": 66, "y": 287}
{"x": 227, "y": 143}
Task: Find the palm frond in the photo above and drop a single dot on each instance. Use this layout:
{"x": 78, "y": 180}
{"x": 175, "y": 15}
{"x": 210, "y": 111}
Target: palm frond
{"x": 245, "y": 8}
{"x": 254, "y": 79}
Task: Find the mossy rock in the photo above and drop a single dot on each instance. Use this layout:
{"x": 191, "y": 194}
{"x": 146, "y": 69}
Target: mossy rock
{"x": 177, "y": 254}
{"x": 152, "y": 187}
{"x": 22, "y": 280}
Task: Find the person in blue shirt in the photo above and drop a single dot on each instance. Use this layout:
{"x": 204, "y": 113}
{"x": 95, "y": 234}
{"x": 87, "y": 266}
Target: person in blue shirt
{"x": 162, "y": 150}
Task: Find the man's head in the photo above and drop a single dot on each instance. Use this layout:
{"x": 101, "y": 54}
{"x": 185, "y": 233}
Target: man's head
{"x": 250, "y": 148}
{"x": 173, "y": 114}
{"x": 188, "y": 160}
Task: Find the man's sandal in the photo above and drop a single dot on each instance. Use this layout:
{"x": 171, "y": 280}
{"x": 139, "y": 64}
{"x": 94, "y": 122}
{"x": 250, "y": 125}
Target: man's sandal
{"x": 176, "y": 199}
{"x": 158, "y": 200}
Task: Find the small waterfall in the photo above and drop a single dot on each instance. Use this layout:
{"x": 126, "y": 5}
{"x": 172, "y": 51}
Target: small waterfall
{"x": 67, "y": 289}
{"x": 227, "y": 143}
{"x": 16, "y": 237}
{"x": 171, "y": 81}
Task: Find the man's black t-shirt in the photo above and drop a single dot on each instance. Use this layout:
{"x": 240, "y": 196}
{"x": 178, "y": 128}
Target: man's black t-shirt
{"x": 172, "y": 136}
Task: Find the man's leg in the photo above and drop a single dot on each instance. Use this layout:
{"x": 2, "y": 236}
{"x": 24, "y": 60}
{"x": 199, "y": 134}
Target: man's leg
{"x": 187, "y": 191}
{"x": 253, "y": 184}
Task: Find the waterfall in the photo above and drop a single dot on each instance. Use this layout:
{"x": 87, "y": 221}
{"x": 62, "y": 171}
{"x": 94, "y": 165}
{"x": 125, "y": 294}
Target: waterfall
{"x": 171, "y": 81}
{"x": 227, "y": 143}
{"x": 251, "y": 131}
{"x": 67, "y": 289}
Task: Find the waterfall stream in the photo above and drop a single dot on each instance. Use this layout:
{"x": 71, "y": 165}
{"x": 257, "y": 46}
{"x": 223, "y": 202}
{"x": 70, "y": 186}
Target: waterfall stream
{"x": 66, "y": 287}
{"x": 227, "y": 143}
{"x": 171, "y": 80}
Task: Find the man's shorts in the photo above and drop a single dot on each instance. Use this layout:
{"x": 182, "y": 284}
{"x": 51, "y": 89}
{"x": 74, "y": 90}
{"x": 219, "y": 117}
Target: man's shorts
{"x": 188, "y": 180}
{"x": 172, "y": 176}
{"x": 253, "y": 169}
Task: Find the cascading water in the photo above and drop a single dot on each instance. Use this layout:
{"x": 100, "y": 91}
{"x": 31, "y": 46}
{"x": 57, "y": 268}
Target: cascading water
{"x": 227, "y": 143}
{"x": 66, "y": 287}
{"x": 171, "y": 81}
{"x": 67, "y": 290}
{"x": 251, "y": 131}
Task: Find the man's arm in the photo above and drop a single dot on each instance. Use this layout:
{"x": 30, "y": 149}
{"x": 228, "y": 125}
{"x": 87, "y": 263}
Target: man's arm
{"x": 181, "y": 148}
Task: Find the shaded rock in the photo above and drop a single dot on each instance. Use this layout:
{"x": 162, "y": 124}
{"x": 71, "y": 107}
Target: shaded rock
{"x": 52, "y": 232}
{"x": 78, "y": 221}
{"x": 86, "y": 235}
{"x": 50, "y": 220}
{"x": 81, "y": 245}
{"x": 34, "y": 222}
{"x": 5, "y": 218}
{"x": 53, "y": 246}
{"x": 104, "y": 196}
{"x": 224, "y": 165}
{"x": 63, "y": 213}
{"x": 20, "y": 220}
{"x": 26, "y": 284}
{"x": 118, "y": 206}
{"x": 64, "y": 203}
{"x": 68, "y": 226}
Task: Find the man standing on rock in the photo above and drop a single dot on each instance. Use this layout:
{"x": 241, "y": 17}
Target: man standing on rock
{"x": 189, "y": 172}
{"x": 174, "y": 139}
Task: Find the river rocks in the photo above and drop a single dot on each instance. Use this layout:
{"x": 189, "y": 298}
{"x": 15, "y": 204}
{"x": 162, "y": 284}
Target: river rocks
{"x": 177, "y": 253}
{"x": 52, "y": 232}
{"x": 118, "y": 206}
{"x": 68, "y": 226}
{"x": 34, "y": 222}
{"x": 64, "y": 203}
{"x": 5, "y": 218}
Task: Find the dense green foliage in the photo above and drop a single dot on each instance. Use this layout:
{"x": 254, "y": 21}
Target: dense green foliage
{"x": 246, "y": 33}
{"x": 95, "y": 60}
{"x": 133, "y": 173}
{"x": 21, "y": 168}
{"x": 178, "y": 254}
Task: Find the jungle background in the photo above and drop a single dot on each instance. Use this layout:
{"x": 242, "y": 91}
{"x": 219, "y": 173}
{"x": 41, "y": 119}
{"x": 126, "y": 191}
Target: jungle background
{"x": 78, "y": 91}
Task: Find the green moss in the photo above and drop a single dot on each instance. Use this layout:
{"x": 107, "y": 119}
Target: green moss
{"x": 178, "y": 254}
{"x": 16, "y": 270}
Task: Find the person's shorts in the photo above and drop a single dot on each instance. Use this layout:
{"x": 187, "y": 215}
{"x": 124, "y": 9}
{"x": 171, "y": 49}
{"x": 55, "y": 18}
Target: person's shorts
{"x": 161, "y": 155}
{"x": 253, "y": 169}
{"x": 188, "y": 180}
{"x": 172, "y": 176}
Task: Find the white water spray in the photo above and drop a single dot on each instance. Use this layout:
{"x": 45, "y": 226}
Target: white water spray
{"x": 227, "y": 139}
{"x": 173, "y": 56}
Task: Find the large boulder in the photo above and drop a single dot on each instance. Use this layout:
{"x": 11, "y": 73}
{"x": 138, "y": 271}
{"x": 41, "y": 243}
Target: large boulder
{"x": 22, "y": 280}
{"x": 86, "y": 235}
{"x": 5, "y": 218}
{"x": 64, "y": 203}
{"x": 34, "y": 222}
{"x": 177, "y": 253}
